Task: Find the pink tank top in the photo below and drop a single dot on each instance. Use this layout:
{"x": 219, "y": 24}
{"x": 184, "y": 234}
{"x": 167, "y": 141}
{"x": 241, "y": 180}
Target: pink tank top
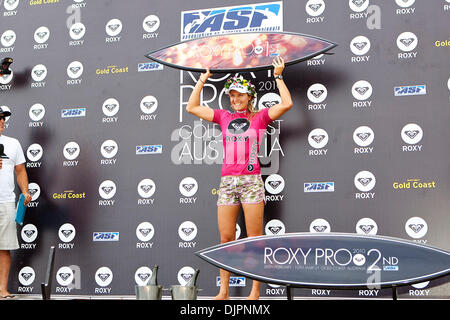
{"x": 241, "y": 140}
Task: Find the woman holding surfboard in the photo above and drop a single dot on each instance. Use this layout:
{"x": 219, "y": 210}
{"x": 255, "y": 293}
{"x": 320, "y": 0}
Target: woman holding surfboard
{"x": 241, "y": 184}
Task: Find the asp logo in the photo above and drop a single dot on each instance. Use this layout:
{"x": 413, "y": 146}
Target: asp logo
{"x": 73, "y": 112}
{"x": 105, "y": 236}
{"x": 233, "y": 282}
{"x": 149, "y": 149}
{"x": 318, "y": 187}
{"x": 244, "y": 18}
{"x": 410, "y": 90}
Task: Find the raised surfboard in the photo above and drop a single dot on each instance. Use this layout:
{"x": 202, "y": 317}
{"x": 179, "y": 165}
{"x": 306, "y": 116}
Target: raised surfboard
{"x": 332, "y": 260}
{"x": 240, "y": 52}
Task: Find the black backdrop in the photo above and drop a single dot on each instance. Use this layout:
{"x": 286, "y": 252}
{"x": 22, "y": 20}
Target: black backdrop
{"x": 87, "y": 204}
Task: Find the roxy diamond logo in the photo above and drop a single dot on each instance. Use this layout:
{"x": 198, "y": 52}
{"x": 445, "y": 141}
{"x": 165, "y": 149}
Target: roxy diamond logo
{"x": 317, "y": 93}
{"x": 103, "y": 276}
{"x": 113, "y": 27}
{"x": 360, "y": 45}
{"x": 187, "y": 231}
{"x": 412, "y": 133}
{"x": 363, "y": 136}
{"x": 416, "y": 227}
{"x": 188, "y": 187}
{"x": 146, "y": 188}
{"x": 407, "y": 41}
{"x": 107, "y": 189}
{"x": 364, "y": 181}
{"x": 145, "y": 231}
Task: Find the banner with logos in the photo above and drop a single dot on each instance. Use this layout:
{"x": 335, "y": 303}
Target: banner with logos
{"x": 123, "y": 178}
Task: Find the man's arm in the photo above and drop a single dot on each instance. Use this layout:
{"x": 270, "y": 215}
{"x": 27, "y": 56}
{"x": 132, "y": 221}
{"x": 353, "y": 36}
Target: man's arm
{"x": 22, "y": 181}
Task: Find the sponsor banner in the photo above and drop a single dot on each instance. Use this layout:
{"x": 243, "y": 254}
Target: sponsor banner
{"x": 261, "y": 17}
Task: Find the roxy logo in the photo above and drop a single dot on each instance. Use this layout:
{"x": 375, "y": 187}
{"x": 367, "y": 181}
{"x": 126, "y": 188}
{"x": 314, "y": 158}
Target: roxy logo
{"x": 361, "y": 90}
{"x": 103, "y": 276}
{"x": 318, "y": 139}
{"x": 151, "y": 23}
{"x": 253, "y": 17}
{"x": 71, "y": 150}
{"x": 146, "y": 188}
{"x": 315, "y": 8}
{"x": 185, "y": 274}
{"x": 36, "y": 112}
{"x": 274, "y": 184}
{"x": 358, "y": 5}
{"x": 41, "y": 36}
{"x": 366, "y": 226}
{"x": 275, "y": 227}
{"x": 364, "y": 181}
{"x": 77, "y": 31}
{"x": 407, "y": 42}
{"x": 29, "y": 233}
{"x": 416, "y": 227}
{"x": 148, "y": 105}
{"x": 109, "y": 149}
{"x": 11, "y": 4}
{"x": 75, "y": 69}
{"x": 238, "y": 126}
{"x": 145, "y": 231}
{"x": 66, "y": 232}
{"x": 142, "y": 275}
{"x": 319, "y": 226}
{"x": 107, "y": 189}
{"x": 7, "y": 39}
{"x": 35, "y": 191}
{"x": 268, "y": 100}
{"x": 39, "y": 72}
{"x": 34, "y": 152}
{"x": 317, "y": 93}
{"x": 359, "y": 46}
{"x": 110, "y": 107}
{"x": 187, "y": 231}
{"x": 64, "y": 276}
{"x": 26, "y": 275}
{"x": 363, "y": 136}
{"x": 412, "y": 134}
{"x": 113, "y": 27}
{"x": 188, "y": 187}
{"x": 5, "y": 79}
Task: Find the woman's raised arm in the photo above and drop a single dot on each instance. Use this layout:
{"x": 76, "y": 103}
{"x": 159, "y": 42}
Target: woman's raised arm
{"x": 193, "y": 105}
{"x": 278, "y": 110}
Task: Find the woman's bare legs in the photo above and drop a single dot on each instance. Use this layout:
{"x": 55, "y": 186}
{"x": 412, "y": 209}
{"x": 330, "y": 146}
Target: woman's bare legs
{"x": 254, "y": 219}
{"x": 226, "y": 218}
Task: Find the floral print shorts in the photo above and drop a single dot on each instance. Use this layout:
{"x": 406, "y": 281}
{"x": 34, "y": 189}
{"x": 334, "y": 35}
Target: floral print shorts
{"x": 234, "y": 190}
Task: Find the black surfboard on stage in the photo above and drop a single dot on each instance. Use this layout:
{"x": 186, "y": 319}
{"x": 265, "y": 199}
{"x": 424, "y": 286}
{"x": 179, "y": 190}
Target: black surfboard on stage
{"x": 330, "y": 260}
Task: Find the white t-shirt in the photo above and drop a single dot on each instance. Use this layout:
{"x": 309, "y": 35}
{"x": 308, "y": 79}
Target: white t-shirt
{"x": 14, "y": 152}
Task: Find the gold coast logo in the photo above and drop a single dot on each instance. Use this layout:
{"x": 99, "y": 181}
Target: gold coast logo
{"x": 442, "y": 43}
{"x": 68, "y": 194}
{"x": 417, "y": 184}
{"x": 39, "y": 2}
{"x": 113, "y": 69}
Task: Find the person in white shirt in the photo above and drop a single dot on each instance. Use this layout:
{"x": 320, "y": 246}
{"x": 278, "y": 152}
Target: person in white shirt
{"x": 12, "y": 160}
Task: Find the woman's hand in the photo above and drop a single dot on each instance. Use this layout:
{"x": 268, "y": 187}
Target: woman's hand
{"x": 205, "y": 76}
{"x": 278, "y": 65}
